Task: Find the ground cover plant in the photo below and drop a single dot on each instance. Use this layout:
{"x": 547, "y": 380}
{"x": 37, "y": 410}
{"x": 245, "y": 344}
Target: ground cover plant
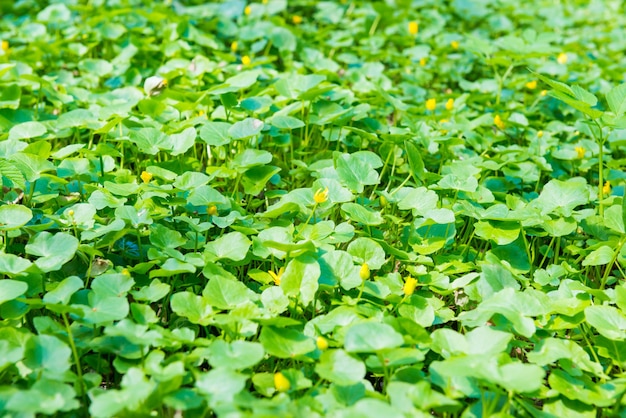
{"x": 297, "y": 209}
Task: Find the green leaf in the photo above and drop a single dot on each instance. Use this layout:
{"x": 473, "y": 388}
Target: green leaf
{"x": 358, "y": 213}
{"x": 415, "y": 161}
{"x": 562, "y": 197}
{"x": 551, "y": 350}
{"x": 365, "y": 250}
{"x": 245, "y": 129}
{"x": 27, "y": 130}
{"x": 233, "y": 246}
{"x": 341, "y": 368}
{"x": 354, "y": 173}
{"x": 11, "y": 289}
{"x": 13, "y": 265}
{"x": 502, "y": 233}
{"x": 215, "y": 133}
{"x": 196, "y": 309}
{"x": 224, "y": 293}
{"x": 206, "y": 196}
{"x": 181, "y": 142}
{"x": 285, "y": 342}
{"x": 370, "y": 337}
{"x": 64, "y": 291}
{"x": 47, "y": 354}
{"x": 221, "y": 384}
{"x": 300, "y": 279}
{"x": 11, "y": 172}
{"x": 53, "y": 250}
{"x": 237, "y": 355}
{"x": 45, "y": 397}
{"x": 609, "y": 321}
{"x": 616, "y": 99}
{"x": 250, "y": 158}
{"x": 582, "y": 389}
{"x": 156, "y": 291}
{"x": 286, "y": 122}
{"x": 601, "y": 256}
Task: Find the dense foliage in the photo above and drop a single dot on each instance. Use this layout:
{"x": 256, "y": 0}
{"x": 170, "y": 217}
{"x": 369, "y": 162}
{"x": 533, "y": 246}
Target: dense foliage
{"x": 342, "y": 208}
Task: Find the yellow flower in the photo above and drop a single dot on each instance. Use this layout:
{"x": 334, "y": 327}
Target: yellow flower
{"x": 562, "y": 58}
{"x": 409, "y": 286}
{"x": 544, "y": 92}
{"x": 296, "y": 20}
{"x": 264, "y": 1}
{"x": 383, "y": 201}
{"x": 146, "y": 177}
{"x": 212, "y": 210}
{"x": 125, "y": 272}
{"x": 450, "y": 104}
{"x": 281, "y": 383}
{"x": 247, "y": 10}
{"x": 277, "y": 276}
{"x": 413, "y": 28}
{"x": 531, "y": 85}
{"x": 442, "y": 121}
{"x": 70, "y": 212}
{"x": 322, "y": 343}
{"x": 364, "y": 272}
{"x": 321, "y": 195}
{"x": 233, "y": 46}
{"x": 431, "y": 104}
{"x": 423, "y": 62}
{"x": 580, "y": 152}
{"x": 539, "y": 134}
{"x": 454, "y": 44}
{"x": 5, "y": 45}
{"x": 245, "y": 60}
{"x": 497, "y": 120}
{"x": 606, "y": 189}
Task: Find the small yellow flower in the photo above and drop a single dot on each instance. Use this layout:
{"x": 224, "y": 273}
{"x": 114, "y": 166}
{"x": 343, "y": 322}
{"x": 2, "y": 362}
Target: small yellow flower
{"x": 423, "y": 62}
{"x": 531, "y": 85}
{"x": 281, "y": 383}
{"x": 277, "y": 276}
{"x": 233, "y": 46}
{"x": 245, "y": 60}
{"x": 442, "y": 121}
{"x": 296, "y": 20}
{"x": 606, "y": 189}
{"x": 454, "y": 44}
{"x": 409, "y": 286}
{"x": 322, "y": 343}
{"x": 580, "y": 152}
{"x": 70, "y": 213}
{"x": 539, "y": 134}
{"x": 364, "y": 272}
{"x": 450, "y": 104}
{"x": 321, "y": 195}
{"x": 264, "y": 1}
{"x": 247, "y": 10}
{"x": 431, "y": 104}
{"x": 146, "y": 177}
{"x": 212, "y": 210}
{"x": 5, "y": 45}
{"x": 413, "y": 27}
{"x": 125, "y": 272}
{"x": 383, "y": 201}
{"x": 562, "y": 58}
{"x": 544, "y": 92}
{"x": 497, "y": 120}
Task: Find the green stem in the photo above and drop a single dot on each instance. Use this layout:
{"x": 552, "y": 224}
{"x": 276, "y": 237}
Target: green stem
{"x": 79, "y": 371}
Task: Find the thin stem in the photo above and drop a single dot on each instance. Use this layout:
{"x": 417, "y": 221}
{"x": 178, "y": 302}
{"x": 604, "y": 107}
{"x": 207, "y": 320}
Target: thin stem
{"x": 79, "y": 371}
